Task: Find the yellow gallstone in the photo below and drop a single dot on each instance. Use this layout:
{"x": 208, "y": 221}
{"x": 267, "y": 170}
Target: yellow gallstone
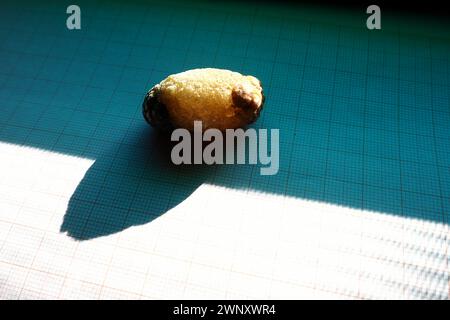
{"x": 219, "y": 98}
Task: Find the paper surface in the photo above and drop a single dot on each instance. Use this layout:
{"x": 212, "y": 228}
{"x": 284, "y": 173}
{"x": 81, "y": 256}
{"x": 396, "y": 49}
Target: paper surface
{"x": 90, "y": 206}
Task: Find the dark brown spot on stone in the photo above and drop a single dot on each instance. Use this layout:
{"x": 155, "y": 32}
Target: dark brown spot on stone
{"x": 155, "y": 112}
{"x": 247, "y": 103}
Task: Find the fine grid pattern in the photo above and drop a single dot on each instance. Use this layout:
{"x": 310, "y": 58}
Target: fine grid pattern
{"x": 364, "y": 117}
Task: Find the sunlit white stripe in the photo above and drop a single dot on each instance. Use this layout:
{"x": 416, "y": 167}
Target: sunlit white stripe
{"x": 218, "y": 243}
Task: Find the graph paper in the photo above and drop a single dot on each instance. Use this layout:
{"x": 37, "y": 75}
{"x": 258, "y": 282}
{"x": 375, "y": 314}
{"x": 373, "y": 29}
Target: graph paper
{"x": 92, "y": 208}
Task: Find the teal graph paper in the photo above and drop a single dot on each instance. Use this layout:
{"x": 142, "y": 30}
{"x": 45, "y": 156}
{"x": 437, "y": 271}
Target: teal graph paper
{"x": 364, "y": 116}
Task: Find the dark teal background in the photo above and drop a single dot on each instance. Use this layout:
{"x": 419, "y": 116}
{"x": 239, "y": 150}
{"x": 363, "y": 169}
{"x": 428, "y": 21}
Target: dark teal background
{"x": 364, "y": 116}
